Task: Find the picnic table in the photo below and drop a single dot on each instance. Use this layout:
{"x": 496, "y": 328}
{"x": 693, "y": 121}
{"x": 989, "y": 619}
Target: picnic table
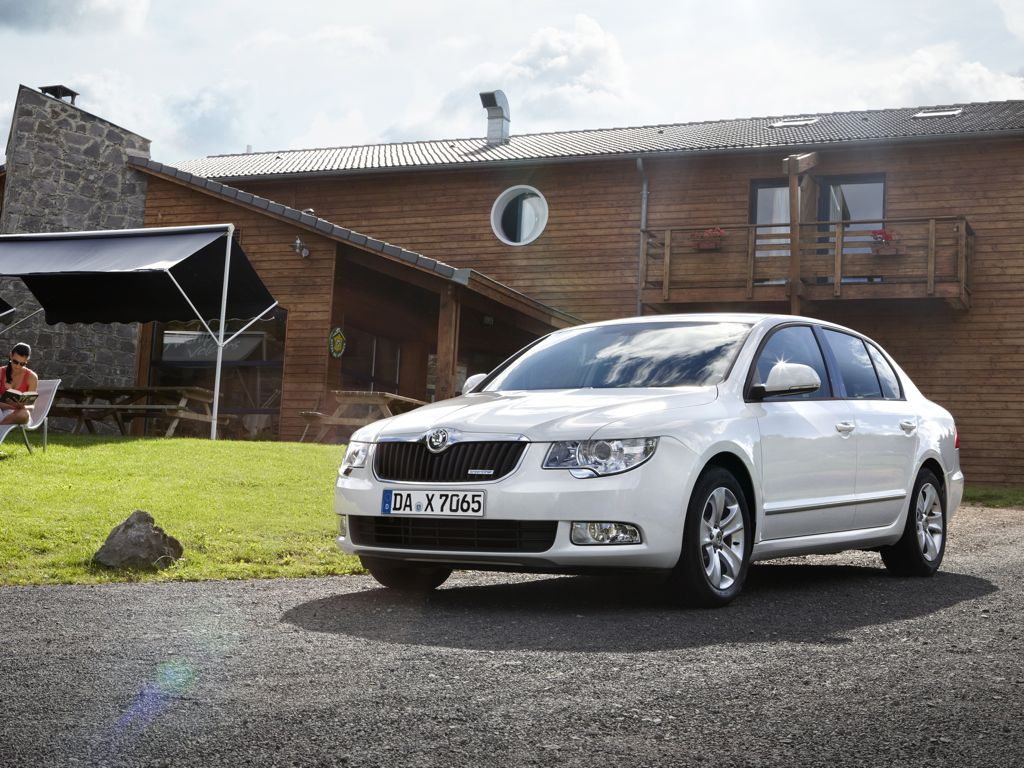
{"x": 356, "y": 409}
{"x": 92, "y": 405}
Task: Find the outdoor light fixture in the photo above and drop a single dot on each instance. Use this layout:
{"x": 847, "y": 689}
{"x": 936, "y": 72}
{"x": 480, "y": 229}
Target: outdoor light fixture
{"x": 300, "y": 247}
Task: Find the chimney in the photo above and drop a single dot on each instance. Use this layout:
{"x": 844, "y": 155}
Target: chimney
{"x": 59, "y": 92}
{"x": 498, "y": 116}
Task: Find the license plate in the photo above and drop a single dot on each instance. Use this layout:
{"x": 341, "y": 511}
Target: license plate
{"x": 454, "y": 503}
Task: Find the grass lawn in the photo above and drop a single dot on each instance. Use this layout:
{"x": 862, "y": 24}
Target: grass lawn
{"x": 240, "y": 509}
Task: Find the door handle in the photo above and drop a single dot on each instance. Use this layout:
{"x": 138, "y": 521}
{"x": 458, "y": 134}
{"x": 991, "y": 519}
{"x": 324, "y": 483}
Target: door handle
{"x": 845, "y": 427}
{"x": 908, "y": 426}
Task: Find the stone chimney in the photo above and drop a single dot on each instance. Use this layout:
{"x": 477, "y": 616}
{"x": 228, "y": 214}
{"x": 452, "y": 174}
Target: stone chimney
{"x": 498, "y": 116}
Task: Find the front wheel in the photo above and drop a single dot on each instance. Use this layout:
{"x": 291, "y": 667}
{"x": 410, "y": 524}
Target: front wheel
{"x": 406, "y": 577}
{"x": 717, "y": 540}
{"x": 919, "y": 551}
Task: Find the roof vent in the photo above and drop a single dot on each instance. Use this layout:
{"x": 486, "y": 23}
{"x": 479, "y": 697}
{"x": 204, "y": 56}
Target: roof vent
{"x": 793, "y": 122}
{"x": 59, "y": 92}
{"x": 498, "y": 116}
{"x": 939, "y": 112}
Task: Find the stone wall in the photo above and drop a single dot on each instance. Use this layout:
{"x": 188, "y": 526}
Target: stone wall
{"x": 66, "y": 171}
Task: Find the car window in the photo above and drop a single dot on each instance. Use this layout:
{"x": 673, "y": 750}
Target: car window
{"x": 855, "y": 368}
{"x": 886, "y": 375}
{"x": 793, "y": 344}
{"x": 655, "y": 354}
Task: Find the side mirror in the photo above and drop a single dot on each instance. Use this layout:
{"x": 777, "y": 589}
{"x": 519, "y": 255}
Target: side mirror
{"x": 787, "y": 379}
{"x": 472, "y": 381}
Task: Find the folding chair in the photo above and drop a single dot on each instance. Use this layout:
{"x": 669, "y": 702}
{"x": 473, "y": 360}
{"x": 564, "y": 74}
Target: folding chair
{"x": 47, "y": 389}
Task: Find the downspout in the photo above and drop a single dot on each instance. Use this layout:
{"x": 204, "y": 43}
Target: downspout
{"x": 644, "y": 193}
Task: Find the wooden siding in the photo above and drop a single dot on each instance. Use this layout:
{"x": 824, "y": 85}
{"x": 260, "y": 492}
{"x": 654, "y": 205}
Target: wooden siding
{"x": 303, "y": 287}
{"x": 586, "y": 260}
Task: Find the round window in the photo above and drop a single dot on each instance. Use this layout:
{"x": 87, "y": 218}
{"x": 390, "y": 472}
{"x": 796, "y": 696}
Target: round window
{"x": 519, "y": 215}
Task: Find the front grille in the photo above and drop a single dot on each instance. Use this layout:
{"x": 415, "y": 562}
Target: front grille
{"x": 460, "y": 463}
{"x": 457, "y": 534}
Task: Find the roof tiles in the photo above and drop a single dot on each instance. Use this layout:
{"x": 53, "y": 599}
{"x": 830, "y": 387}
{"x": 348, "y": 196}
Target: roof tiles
{"x": 705, "y": 137}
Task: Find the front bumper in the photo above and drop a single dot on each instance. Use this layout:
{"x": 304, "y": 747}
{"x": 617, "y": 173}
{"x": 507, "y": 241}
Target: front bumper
{"x": 652, "y": 497}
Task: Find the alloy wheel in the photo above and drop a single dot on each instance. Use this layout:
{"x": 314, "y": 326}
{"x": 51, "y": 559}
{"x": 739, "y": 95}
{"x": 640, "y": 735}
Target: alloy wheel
{"x": 722, "y": 538}
{"x": 928, "y": 512}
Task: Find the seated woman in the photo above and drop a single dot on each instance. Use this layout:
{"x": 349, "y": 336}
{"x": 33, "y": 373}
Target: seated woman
{"x": 17, "y": 376}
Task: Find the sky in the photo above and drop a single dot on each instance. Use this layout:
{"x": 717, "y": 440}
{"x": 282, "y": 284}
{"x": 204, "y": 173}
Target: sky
{"x": 201, "y": 77}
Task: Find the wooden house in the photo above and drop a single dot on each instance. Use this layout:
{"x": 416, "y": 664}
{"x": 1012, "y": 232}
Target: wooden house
{"x": 906, "y": 224}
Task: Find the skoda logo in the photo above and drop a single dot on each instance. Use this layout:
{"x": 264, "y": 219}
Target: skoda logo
{"x": 437, "y": 440}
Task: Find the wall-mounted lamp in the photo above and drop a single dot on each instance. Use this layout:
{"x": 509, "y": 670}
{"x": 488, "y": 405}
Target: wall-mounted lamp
{"x": 300, "y": 247}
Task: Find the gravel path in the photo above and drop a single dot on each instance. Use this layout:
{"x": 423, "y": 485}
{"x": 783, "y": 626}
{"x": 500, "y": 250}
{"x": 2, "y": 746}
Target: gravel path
{"x": 822, "y": 661}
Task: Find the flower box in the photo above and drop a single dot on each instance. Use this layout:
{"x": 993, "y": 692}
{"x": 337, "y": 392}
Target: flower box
{"x": 708, "y": 240}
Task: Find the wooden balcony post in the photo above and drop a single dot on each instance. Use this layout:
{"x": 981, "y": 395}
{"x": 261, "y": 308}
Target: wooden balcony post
{"x": 751, "y": 251}
{"x": 794, "y": 241}
{"x": 837, "y": 279}
{"x": 931, "y": 257}
{"x": 666, "y": 277}
{"x": 447, "y": 343}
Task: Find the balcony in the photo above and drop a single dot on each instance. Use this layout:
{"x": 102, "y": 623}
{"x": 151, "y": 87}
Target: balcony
{"x": 930, "y": 258}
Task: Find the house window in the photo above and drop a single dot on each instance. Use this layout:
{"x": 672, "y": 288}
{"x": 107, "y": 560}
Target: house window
{"x": 519, "y": 215}
{"x": 857, "y": 200}
{"x": 769, "y": 208}
{"x": 371, "y": 363}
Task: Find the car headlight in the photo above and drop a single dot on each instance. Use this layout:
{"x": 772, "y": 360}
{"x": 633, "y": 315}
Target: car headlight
{"x": 601, "y": 457}
{"x": 355, "y": 455}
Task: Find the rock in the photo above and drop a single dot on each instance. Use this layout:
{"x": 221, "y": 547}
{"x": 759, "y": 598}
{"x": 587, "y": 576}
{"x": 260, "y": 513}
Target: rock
{"x": 138, "y": 542}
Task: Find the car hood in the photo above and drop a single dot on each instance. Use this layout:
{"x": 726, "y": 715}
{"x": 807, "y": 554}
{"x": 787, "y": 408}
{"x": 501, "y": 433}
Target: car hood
{"x": 571, "y": 414}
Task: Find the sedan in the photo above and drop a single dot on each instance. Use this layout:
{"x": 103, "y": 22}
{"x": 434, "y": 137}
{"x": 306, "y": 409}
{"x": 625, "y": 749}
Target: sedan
{"x": 688, "y": 444}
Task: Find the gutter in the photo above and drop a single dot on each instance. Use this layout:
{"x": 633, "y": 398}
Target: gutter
{"x": 644, "y": 195}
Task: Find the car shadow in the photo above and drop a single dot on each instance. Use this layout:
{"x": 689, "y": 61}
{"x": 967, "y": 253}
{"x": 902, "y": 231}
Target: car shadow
{"x": 781, "y": 602}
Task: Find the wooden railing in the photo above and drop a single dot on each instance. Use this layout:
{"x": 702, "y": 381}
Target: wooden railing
{"x": 928, "y": 257}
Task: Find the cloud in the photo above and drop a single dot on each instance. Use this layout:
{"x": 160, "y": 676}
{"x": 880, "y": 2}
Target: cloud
{"x": 1013, "y": 15}
{"x": 73, "y": 15}
{"x": 359, "y": 36}
{"x": 578, "y": 72}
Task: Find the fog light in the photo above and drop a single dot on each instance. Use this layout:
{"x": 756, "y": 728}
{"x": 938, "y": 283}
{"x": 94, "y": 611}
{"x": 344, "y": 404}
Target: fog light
{"x": 605, "y": 533}
{"x": 342, "y": 526}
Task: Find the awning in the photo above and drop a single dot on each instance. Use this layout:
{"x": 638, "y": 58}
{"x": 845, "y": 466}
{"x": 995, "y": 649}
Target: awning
{"x": 141, "y": 275}
{"x": 134, "y": 275}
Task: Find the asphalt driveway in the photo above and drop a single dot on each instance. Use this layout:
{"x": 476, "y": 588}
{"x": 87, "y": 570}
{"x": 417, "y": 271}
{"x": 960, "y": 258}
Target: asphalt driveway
{"x": 822, "y": 661}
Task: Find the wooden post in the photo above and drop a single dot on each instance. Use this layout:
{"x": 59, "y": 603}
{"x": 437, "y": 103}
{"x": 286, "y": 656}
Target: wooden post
{"x": 751, "y": 251}
{"x": 794, "y": 238}
{"x": 837, "y": 279}
{"x": 793, "y": 166}
{"x": 447, "y": 343}
{"x": 666, "y": 277}
{"x": 931, "y": 257}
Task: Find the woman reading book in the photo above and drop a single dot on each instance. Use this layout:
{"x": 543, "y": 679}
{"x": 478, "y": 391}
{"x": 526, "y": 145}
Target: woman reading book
{"x": 17, "y": 376}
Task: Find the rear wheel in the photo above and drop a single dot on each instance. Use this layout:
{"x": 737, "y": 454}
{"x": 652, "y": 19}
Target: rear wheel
{"x": 406, "y": 577}
{"x": 919, "y": 551}
{"x": 717, "y": 539}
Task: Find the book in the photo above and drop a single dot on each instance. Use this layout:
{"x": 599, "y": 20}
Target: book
{"x": 18, "y": 398}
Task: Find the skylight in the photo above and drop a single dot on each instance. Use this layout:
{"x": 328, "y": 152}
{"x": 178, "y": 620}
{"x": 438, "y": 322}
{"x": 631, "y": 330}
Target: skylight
{"x": 793, "y": 122}
{"x": 944, "y": 112}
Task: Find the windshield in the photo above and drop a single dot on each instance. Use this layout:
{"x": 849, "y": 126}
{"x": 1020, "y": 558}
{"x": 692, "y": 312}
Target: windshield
{"x": 655, "y": 354}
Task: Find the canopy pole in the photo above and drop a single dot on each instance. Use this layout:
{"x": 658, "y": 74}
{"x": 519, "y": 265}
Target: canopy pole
{"x": 19, "y": 322}
{"x": 220, "y": 339}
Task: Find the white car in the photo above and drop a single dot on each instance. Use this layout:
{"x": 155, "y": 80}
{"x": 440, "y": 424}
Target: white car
{"x": 693, "y": 444}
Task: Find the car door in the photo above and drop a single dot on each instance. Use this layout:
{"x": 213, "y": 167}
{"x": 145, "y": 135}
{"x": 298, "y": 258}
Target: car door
{"x": 808, "y": 454}
{"x": 886, "y": 429}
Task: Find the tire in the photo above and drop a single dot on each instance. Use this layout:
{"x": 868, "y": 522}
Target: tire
{"x": 717, "y": 541}
{"x": 923, "y": 543}
{"x": 404, "y": 577}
